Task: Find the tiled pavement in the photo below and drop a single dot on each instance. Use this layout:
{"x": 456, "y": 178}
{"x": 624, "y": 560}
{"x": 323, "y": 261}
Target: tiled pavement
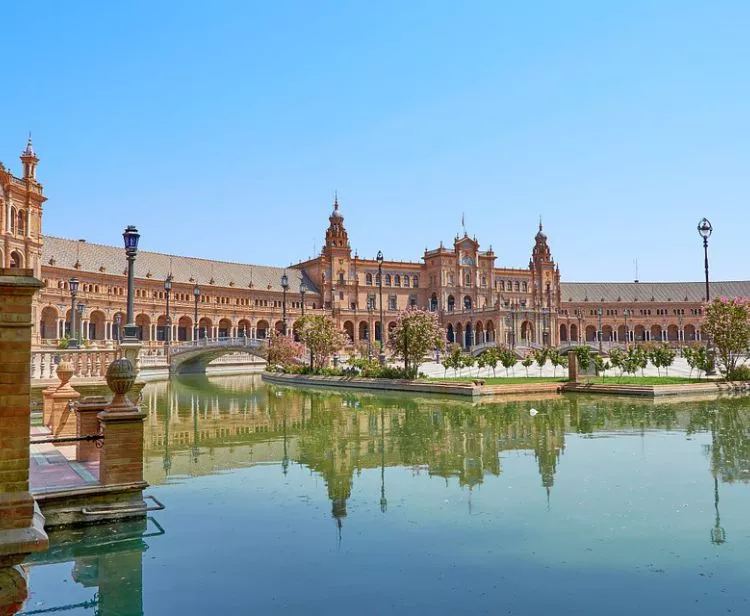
{"x": 53, "y": 467}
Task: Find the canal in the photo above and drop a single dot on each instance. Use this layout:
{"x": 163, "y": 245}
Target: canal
{"x": 283, "y": 501}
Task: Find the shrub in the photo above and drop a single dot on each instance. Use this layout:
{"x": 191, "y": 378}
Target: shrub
{"x": 740, "y": 373}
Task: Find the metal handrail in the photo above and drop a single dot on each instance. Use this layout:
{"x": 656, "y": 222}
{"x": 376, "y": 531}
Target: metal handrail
{"x": 67, "y": 439}
{"x": 159, "y": 507}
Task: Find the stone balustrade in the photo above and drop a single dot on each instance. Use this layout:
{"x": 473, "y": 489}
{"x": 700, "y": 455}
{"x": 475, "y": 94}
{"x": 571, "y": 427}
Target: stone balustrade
{"x": 89, "y": 363}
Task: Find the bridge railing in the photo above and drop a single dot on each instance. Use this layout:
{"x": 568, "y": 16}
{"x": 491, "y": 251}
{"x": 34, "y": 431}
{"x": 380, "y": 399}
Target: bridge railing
{"x": 208, "y": 343}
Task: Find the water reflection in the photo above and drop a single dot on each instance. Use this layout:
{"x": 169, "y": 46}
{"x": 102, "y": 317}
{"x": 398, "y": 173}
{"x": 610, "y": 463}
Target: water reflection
{"x": 201, "y": 426}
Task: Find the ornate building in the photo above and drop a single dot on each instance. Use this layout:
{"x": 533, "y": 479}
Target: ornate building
{"x": 478, "y": 300}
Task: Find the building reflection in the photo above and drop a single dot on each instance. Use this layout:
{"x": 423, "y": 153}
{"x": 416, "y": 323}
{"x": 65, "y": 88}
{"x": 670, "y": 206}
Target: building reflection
{"x": 107, "y": 564}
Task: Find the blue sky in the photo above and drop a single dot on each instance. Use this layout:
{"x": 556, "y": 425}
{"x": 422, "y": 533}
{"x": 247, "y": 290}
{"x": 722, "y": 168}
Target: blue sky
{"x": 222, "y": 129}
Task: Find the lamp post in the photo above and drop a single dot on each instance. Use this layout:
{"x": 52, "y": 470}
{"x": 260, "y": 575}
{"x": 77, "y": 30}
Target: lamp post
{"x": 131, "y": 237}
{"x": 197, "y": 296}
{"x": 379, "y": 259}
{"x": 285, "y": 288}
{"x": 118, "y": 323}
{"x": 302, "y": 291}
{"x": 167, "y": 291}
{"x": 599, "y": 333}
{"x": 73, "y": 282}
{"x": 369, "y": 329}
{"x": 705, "y": 230}
{"x": 626, "y": 312}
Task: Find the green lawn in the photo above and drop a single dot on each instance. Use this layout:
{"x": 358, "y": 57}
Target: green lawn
{"x": 610, "y": 380}
{"x": 511, "y": 380}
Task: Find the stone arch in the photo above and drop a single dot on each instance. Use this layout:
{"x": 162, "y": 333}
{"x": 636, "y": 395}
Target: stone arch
{"x": 563, "y": 333}
{"x": 205, "y": 328}
{"x": 490, "y": 331}
{"x": 689, "y": 332}
{"x": 97, "y": 325}
{"x": 479, "y": 333}
{"x": 244, "y": 328}
{"x": 349, "y": 330}
{"x": 621, "y": 333}
{"x": 261, "y": 329}
{"x": 574, "y": 333}
{"x": 184, "y": 328}
{"x": 607, "y": 333}
{"x": 279, "y": 326}
{"x": 225, "y": 328}
{"x": 640, "y": 333}
{"x": 364, "y": 330}
{"x": 48, "y": 323}
{"x": 673, "y": 333}
{"x": 590, "y": 333}
{"x": 527, "y": 331}
{"x": 656, "y": 332}
{"x": 143, "y": 323}
{"x": 16, "y": 260}
{"x": 469, "y": 339}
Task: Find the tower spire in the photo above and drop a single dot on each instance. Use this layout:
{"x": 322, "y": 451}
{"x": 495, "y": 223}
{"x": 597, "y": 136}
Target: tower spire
{"x": 29, "y": 160}
{"x": 540, "y": 222}
{"x": 335, "y": 199}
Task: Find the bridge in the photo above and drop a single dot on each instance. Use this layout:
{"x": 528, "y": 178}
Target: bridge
{"x": 193, "y": 356}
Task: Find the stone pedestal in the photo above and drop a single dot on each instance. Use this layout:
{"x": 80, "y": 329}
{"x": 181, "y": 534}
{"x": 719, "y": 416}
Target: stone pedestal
{"x": 88, "y": 423}
{"x": 131, "y": 350}
{"x": 572, "y": 367}
{"x": 21, "y": 523}
{"x": 58, "y": 407}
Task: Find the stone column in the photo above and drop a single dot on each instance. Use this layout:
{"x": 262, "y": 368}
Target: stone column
{"x": 572, "y": 367}
{"x": 21, "y": 522}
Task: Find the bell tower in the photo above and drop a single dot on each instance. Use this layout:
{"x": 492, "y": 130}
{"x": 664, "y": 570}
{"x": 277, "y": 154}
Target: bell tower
{"x": 29, "y": 161}
{"x": 338, "y": 281}
{"x": 545, "y": 274}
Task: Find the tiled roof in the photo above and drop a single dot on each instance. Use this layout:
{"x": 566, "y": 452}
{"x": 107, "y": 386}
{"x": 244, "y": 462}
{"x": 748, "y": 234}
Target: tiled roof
{"x": 93, "y": 257}
{"x": 597, "y": 292}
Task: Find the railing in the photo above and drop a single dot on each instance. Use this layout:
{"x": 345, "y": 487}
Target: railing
{"x": 238, "y": 341}
{"x": 86, "y": 362}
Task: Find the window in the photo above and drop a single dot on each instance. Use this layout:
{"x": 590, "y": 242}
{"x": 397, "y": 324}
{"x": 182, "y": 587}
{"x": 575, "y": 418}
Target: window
{"x": 518, "y": 286}
{"x": 397, "y": 280}
{"x": 392, "y": 302}
{"x": 467, "y": 280}
{"x": 484, "y": 282}
{"x": 368, "y": 279}
{"x": 451, "y": 280}
{"x": 341, "y": 277}
{"x": 413, "y": 301}
{"x": 525, "y": 287}
{"x": 406, "y": 280}
{"x": 387, "y": 281}
{"x": 415, "y": 281}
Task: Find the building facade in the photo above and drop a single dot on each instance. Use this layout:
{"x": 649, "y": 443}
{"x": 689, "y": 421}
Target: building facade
{"x": 478, "y": 300}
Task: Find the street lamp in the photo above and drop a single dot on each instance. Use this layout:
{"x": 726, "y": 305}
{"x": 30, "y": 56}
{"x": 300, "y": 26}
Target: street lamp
{"x": 131, "y": 237}
{"x": 369, "y": 329}
{"x": 626, "y": 312}
{"x": 73, "y": 282}
{"x": 302, "y": 291}
{"x": 704, "y": 230}
{"x": 285, "y": 288}
{"x": 379, "y": 260}
{"x": 197, "y": 296}
{"x": 118, "y": 323}
{"x": 167, "y": 291}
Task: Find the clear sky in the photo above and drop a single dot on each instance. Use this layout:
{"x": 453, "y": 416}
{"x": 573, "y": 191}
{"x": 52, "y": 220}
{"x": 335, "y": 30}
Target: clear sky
{"x": 221, "y": 129}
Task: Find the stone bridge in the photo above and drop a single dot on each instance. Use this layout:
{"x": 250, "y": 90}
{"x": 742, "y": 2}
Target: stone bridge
{"x": 186, "y": 357}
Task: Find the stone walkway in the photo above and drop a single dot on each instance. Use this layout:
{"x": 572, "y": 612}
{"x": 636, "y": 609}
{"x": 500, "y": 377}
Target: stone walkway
{"x": 53, "y": 467}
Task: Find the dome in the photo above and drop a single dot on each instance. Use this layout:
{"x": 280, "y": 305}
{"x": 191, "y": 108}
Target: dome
{"x": 336, "y": 213}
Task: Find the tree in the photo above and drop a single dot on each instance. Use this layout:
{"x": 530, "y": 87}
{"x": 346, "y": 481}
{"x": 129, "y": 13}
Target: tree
{"x": 416, "y": 332}
{"x": 540, "y": 356}
{"x": 491, "y": 358}
{"x": 583, "y": 354}
{"x": 481, "y": 362}
{"x": 453, "y": 359}
{"x": 527, "y": 362}
{"x": 616, "y": 358}
{"x": 319, "y": 334}
{"x": 467, "y": 361}
{"x": 507, "y": 358}
{"x": 661, "y": 356}
{"x": 727, "y": 322}
{"x": 688, "y": 353}
{"x": 282, "y": 350}
{"x": 556, "y": 359}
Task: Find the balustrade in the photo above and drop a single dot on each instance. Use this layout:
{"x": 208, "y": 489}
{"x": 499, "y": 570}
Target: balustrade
{"x": 86, "y": 362}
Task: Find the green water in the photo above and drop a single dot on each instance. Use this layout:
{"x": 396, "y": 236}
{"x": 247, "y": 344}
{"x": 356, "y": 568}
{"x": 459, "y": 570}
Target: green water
{"x": 283, "y": 501}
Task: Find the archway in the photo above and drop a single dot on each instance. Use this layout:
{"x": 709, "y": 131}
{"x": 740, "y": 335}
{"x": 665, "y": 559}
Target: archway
{"x": 621, "y": 333}
{"x": 450, "y": 334}
{"x": 143, "y": 323}
{"x": 673, "y": 333}
{"x": 479, "y": 333}
{"x": 261, "y": 329}
{"x": 205, "y": 327}
{"x": 244, "y": 328}
{"x": 468, "y": 336}
{"x": 590, "y": 333}
{"x": 607, "y": 333}
{"x": 451, "y": 303}
{"x": 97, "y": 325}
{"x": 48, "y": 324}
{"x": 689, "y": 332}
{"x": 16, "y": 260}
{"x": 225, "y": 328}
{"x": 279, "y": 327}
{"x": 184, "y": 328}
{"x": 490, "y": 331}
{"x": 563, "y": 333}
{"x": 656, "y": 332}
{"x": 527, "y": 332}
{"x": 640, "y": 333}
{"x": 349, "y": 330}
{"x": 364, "y": 330}
{"x": 574, "y": 333}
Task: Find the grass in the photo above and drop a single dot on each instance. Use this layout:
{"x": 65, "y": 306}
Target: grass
{"x": 511, "y": 380}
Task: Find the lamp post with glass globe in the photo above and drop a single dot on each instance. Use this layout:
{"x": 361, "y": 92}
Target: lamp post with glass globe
{"x": 197, "y": 296}
{"x": 599, "y": 332}
{"x": 131, "y": 237}
{"x": 285, "y": 288}
{"x": 73, "y": 283}
{"x": 705, "y": 230}
{"x": 379, "y": 260}
{"x": 167, "y": 292}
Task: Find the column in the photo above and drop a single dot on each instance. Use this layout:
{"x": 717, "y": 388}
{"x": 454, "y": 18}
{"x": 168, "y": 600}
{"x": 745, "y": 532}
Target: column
{"x": 21, "y": 522}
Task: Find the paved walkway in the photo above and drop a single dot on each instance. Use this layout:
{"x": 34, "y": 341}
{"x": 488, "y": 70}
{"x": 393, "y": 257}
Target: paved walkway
{"x": 53, "y": 467}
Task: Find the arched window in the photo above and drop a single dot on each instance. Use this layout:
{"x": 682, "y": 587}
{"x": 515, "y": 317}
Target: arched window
{"x": 467, "y": 280}
{"x": 525, "y": 287}
{"x": 341, "y": 277}
{"x": 484, "y": 281}
{"x": 467, "y": 302}
{"x": 387, "y": 281}
{"x": 415, "y": 281}
{"x": 451, "y": 303}
{"x": 13, "y": 215}
{"x": 406, "y": 281}
{"x": 16, "y": 260}
{"x": 368, "y": 279}
{"x": 397, "y": 280}
{"x": 21, "y": 222}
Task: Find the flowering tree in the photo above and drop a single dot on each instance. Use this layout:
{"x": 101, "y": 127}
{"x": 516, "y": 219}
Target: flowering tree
{"x": 727, "y": 321}
{"x": 282, "y": 350}
{"x": 319, "y": 334}
{"x": 416, "y": 333}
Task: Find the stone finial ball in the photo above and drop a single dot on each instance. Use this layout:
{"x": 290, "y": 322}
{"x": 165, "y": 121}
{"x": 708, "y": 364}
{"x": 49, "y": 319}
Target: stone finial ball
{"x": 121, "y": 376}
{"x": 65, "y": 371}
